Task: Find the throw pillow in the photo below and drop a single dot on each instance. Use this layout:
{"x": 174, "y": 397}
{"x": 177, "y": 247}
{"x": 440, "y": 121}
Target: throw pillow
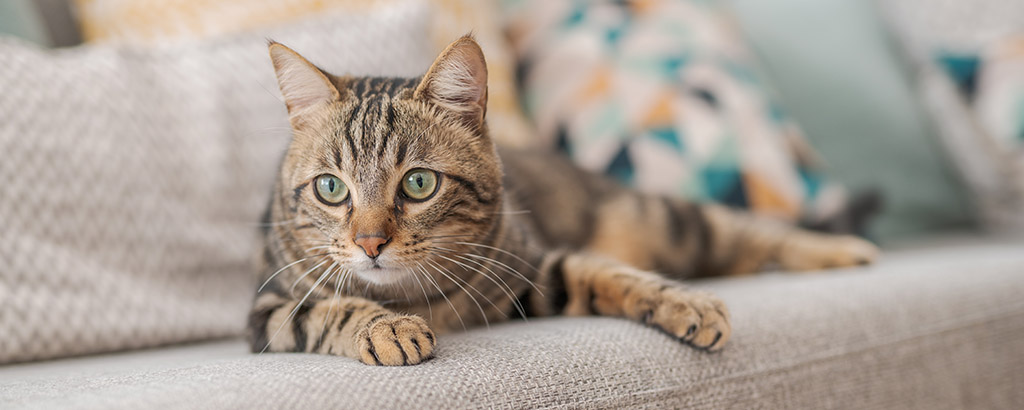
{"x": 134, "y": 179}
{"x": 665, "y": 96}
{"x": 999, "y": 100}
{"x": 161, "y": 21}
{"x": 962, "y": 54}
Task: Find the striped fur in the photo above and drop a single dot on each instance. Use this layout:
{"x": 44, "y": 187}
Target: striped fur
{"x": 507, "y": 233}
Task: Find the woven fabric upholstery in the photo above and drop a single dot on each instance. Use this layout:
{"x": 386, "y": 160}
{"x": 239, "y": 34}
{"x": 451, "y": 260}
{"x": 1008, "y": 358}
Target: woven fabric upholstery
{"x": 133, "y": 179}
{"x": 939, "y": 328}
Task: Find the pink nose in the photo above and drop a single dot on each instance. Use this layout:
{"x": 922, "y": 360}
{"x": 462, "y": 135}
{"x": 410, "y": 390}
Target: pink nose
{"x": 371, "y": 244}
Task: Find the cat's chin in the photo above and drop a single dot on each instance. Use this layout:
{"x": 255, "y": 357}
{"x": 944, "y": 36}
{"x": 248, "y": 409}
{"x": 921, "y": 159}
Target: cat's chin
{"x": 383, "y": 276}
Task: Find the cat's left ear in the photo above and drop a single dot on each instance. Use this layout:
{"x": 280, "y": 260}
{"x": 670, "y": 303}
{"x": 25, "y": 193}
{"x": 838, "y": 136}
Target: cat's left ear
{"x": 457, "y": 81}
{"x": 302, "y": 84}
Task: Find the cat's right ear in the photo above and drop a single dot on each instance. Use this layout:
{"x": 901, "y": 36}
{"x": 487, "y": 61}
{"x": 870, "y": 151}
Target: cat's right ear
{"x": 302, "y": 84}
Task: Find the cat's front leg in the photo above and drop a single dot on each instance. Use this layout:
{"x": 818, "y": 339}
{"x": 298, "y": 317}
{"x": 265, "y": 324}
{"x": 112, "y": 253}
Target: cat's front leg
{"x": 594, "y": 285}
{"x": 348, "y": 326}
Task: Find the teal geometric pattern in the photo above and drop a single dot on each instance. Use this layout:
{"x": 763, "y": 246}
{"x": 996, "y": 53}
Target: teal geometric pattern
{"x": 962, "y": 69}
{"x": 669, "y": 136}
{"x": 662, "y": 95}
{"x": 621, "y": 166}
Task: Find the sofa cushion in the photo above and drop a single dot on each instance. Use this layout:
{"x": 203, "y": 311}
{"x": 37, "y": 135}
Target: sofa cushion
{"x": 133, "y": 179}
{"x": 931, "y": 328}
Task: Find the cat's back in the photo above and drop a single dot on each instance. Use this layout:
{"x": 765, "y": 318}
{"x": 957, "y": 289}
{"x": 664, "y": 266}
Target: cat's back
{"x": 549, "y": 190}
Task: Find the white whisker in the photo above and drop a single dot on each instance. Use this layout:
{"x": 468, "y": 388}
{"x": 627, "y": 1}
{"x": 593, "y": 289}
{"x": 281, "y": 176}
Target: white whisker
{"x": 303, "y": 276}
{"x": 507, "y": 268}
{"x": 515, "y": 300}
{"x": 279, "y": 271}
{"x": 330, "y": 310}
{"x": 520, "y": 212}
{"x": 439, "y": 269}
{"x": 467, "y": 267}
{"x": 278, "y": 223}
{"x": 329, "y": 268}
{"x": 496, "y": 262}
{"x": 292, "y": 314}
{"x": 426, "y": 299}
{"x": 438, "y": 287}
{"x": 502, "y": 251}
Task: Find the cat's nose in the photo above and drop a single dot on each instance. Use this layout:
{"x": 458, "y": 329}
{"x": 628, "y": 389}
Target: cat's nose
{"x": 371, "y": 244}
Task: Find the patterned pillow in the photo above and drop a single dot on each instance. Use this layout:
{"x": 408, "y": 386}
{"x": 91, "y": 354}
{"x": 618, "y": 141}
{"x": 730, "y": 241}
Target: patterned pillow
{"x": 967, "y": 65}
{"x": 161, "y": 21}
{"x": 663, "y": 94}
{"x": 999, "y": 99}
{"x": 133, "y": 179}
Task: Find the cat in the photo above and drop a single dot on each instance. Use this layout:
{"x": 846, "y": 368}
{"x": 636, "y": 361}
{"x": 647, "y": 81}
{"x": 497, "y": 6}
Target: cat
{"x": 395, "y": 216}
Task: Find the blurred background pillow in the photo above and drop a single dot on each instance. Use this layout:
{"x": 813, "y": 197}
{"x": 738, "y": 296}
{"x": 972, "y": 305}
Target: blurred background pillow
{"x": 845, "y": 82}
{"x": 48, "y": 23}
{"x": 21, "y": 18}
{"x": 949, "y": 46}
{"x": 999, "y": 98}
{"x": 163, "y": 21}
{"x": 665, "y": 96}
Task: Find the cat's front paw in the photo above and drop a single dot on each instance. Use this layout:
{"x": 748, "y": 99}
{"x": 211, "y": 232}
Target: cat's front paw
{"x": 397, "y": 340}
{"x": 697, "y": 318}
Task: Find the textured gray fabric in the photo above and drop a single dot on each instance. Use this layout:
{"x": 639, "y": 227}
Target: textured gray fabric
{"x": 938, "y": 328}
{"x": 133, "y": 179}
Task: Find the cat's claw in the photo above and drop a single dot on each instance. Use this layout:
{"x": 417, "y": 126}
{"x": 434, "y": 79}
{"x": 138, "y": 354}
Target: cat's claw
{"x": 398, "y": 340}
{"x": 696, "y": 318}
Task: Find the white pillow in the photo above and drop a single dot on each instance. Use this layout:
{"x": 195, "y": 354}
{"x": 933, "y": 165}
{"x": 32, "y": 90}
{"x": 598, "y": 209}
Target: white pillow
{"x": 132, "y": 179}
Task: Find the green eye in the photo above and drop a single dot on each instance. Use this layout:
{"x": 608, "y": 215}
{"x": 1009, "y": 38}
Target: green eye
{"x": 419, "y": 184}
{"x": 330, "y": 190}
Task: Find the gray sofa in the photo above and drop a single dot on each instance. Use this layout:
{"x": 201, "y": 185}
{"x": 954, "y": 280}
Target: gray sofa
{"x": 936, "y": 326}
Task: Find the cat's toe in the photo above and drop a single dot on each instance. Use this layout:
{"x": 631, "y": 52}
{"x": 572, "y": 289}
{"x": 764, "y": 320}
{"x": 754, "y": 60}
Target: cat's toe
{"x": 697, "y": 318}
{"x": 714, "y": 330}
{"x": 399, "y": 340}
{"x": 857, "y": 251}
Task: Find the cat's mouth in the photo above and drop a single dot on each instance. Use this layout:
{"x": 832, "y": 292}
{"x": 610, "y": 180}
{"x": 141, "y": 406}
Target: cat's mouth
{"x": 382, "y": 270}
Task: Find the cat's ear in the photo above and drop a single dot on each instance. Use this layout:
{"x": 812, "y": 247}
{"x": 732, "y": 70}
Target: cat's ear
{"x": 302, "y": 84}
{"x": 457, "y": 81}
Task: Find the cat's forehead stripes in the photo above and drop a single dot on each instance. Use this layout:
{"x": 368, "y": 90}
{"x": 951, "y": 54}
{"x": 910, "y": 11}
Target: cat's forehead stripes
{"x": 371, "y": 118}
{"x": 369, "y": 141}
{"x": 378, "y": 123}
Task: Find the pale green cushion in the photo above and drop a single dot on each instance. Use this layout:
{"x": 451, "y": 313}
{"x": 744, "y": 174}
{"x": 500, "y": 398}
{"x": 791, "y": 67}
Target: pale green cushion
{"x": 844, "y": 82}
{"x": 20, "y": 18}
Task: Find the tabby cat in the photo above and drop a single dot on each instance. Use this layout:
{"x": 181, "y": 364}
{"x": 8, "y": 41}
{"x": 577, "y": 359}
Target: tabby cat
{"x": 395, "y": 216}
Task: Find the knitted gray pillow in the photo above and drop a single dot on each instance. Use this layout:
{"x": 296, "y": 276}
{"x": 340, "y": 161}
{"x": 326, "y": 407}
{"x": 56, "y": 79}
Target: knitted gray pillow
{"x": 132, "y": 179}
